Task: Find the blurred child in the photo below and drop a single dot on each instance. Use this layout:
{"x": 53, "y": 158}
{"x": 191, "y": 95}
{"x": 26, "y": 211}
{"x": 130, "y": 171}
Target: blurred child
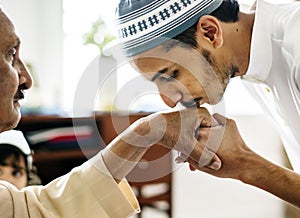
{"x": 15, "y": 159}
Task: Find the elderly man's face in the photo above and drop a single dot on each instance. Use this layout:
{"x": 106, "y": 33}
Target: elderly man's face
{"x": 14, "y": 77}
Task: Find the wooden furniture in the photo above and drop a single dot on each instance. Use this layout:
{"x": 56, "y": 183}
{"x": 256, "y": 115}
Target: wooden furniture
{"x": 151, "y": 179}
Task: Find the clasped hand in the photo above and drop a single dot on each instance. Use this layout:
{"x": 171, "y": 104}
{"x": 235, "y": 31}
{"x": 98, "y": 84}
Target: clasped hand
{"x": 189, "y": 132}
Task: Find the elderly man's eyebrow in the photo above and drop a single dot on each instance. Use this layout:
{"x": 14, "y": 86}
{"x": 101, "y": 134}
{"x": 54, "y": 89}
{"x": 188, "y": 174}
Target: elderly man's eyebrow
{"x": 18, "y": 41}
{"x": 15, "y": 42}
{"x": 159, "y": 73}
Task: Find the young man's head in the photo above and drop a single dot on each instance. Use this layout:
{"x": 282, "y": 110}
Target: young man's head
{"x": 189, "y": 48}
{"x": 15, "y": 158}
{"x": 14, "y": 77}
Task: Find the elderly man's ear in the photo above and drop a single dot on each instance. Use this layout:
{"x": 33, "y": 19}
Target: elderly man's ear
{"x": 209, "y": 31}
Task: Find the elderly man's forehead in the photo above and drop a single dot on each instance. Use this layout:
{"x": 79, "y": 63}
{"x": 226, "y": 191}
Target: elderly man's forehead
{"x": 4, "y": 20}
{"x": 2, "y": 14}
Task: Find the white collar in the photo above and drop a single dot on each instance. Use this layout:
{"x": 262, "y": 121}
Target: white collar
{"x": 261, "y": 51}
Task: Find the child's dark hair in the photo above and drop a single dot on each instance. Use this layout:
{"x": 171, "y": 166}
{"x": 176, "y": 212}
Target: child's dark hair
{"x": 14, "y": 146}
{"x": 10, "y": 151}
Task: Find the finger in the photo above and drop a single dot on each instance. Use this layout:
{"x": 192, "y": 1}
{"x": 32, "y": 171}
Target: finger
{"x": 203, "y": 134}
{"x": 194, "y": 166}
{"x": 211, "y": 137}
{"x": 205, "y": 118}
{"x": 207, "y": 158}
{"x": 214, "y": 138}
{"x": 220, "y": 119}
{"x": 180, "y": 160}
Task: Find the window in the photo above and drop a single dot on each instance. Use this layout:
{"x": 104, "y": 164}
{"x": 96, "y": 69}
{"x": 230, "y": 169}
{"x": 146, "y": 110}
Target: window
{"x": 78, "y": 17}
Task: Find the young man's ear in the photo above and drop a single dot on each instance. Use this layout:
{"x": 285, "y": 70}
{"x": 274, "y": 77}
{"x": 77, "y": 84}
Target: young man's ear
{"x": 210, "y": 30}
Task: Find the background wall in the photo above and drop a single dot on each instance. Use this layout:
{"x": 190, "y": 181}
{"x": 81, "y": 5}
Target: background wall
{"x": 39, "y": 25}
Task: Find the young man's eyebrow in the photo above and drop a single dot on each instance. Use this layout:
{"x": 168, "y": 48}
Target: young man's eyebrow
{"x": 158, "y": 74}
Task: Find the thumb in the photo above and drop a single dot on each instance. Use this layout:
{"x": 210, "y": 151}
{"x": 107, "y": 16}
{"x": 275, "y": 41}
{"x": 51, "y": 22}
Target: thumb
{"x": 220, "y": 119}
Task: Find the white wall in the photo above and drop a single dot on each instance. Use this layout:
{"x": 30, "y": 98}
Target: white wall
{"x": 39, "y": 25}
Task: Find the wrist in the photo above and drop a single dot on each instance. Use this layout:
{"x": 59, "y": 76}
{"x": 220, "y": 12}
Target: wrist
{"x": 146, "y": 131}
{"x": 138, "y": 134}
{"x": 257, "y": 170}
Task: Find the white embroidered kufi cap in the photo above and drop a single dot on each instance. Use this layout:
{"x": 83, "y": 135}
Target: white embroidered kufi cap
{"x": 144, "y": 24}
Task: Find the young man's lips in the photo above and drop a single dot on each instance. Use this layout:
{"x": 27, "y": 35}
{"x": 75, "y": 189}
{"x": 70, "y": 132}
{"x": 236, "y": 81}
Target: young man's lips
{"x": 193, "y": 103}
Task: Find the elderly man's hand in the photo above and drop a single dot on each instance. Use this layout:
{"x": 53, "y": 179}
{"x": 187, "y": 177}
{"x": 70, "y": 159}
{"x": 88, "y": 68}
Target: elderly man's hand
{"x": 179, "y": 130}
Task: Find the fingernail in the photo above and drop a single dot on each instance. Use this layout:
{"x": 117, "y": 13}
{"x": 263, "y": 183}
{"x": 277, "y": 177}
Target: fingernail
{"x": 216, "y": 165}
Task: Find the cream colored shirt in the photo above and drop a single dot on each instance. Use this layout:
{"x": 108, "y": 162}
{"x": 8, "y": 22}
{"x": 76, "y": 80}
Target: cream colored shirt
{"x": 88, "y": 191}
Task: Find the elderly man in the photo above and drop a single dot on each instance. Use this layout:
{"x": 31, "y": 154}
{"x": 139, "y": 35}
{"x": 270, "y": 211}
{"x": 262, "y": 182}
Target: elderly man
{"x": 191, "y": 49}
{"x": 97, "y": 188}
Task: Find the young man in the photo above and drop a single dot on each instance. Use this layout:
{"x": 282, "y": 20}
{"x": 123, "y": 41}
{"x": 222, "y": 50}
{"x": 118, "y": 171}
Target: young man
{"x": 191, "y": 49}
{"x": 96, "y": 188}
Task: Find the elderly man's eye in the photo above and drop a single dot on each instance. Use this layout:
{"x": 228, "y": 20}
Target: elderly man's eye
{"x": 11, "y": 54}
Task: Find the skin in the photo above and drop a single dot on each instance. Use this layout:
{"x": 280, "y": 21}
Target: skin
{"x": 182, "y": 76}
{"x": 204, "y": 72}
{"x": 176, "y": 83}
{"x": 14, "y": 172}
{"x": 14, "y": 77}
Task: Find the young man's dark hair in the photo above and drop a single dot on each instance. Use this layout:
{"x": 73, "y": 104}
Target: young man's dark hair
{"x": 227, "y": 12}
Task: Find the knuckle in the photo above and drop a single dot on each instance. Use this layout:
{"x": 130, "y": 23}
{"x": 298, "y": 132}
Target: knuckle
{"x": 203, "y": 110}
{"x": 231, "y": 122}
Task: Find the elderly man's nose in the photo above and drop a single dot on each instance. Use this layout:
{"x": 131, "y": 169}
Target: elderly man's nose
{"x": 25, "y": 78}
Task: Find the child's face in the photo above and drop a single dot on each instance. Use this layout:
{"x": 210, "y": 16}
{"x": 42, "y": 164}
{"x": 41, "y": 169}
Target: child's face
{"x": 15, "y": 173}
